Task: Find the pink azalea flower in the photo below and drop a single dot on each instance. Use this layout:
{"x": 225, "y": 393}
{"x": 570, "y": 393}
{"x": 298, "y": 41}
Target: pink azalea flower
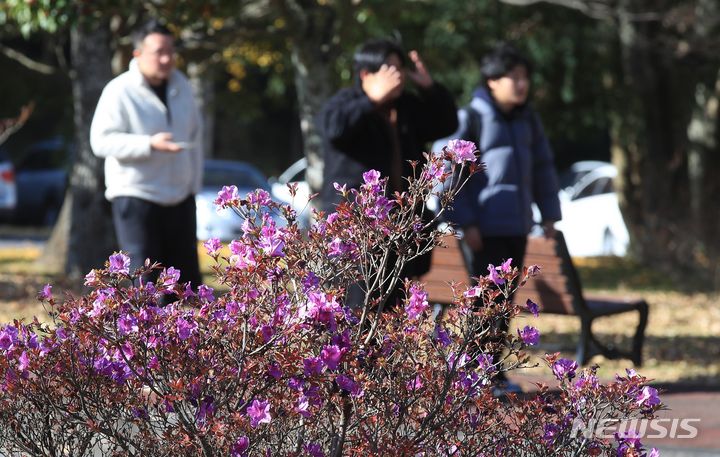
{"x": 494, "y": 276}
{"x": 648, "y": 396}
{"x": 371, "y": 177}
{"x": 529, "y": 335}
{"x": 331, "y": 356}
{"x": 532, "y": 307}
{"x": 119, "y": 263}
{"x": 226, "y": 196}
{"x": 462, "y": 151}
{"x": 212, "y": 246}
{"x": 259, "y": 413}
{"x": 417, "y": 303}
{"x": 46, "y": 292}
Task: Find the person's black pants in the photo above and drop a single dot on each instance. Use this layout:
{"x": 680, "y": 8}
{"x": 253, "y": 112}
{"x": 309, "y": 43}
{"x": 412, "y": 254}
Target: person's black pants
{"x": 166, "y": 234}
{"x": 495, "y": 250}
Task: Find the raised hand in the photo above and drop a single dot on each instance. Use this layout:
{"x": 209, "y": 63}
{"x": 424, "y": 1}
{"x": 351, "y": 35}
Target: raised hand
{"x": 419, "y": 75}
{"x": 383, "y": 85}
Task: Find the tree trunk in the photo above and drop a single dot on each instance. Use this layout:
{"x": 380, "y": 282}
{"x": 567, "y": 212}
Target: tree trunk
{"x": 202, "y": 78}
{"x": 663, "y": 185}
{"x": 84, "y": 237}
{"x": 313, "y": 51}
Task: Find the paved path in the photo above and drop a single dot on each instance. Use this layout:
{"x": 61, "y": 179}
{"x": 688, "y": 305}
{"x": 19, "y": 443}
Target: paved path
{"x": 685, "y": 402}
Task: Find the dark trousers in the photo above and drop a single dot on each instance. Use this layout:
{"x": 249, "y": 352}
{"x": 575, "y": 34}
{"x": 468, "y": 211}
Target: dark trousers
{"x": 166, "y": 234}
{"x": 495, "y": 250}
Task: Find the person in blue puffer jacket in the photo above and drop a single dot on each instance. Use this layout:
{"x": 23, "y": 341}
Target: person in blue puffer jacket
{"x": 494, "y": 209}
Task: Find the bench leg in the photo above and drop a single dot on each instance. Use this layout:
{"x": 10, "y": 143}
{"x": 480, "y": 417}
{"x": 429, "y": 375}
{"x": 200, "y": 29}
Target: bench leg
{"x": 584, "y": 349}
{"x": 640, "y": 334}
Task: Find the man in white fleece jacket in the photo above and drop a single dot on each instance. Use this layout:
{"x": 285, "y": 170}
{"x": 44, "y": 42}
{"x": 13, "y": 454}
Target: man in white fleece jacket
{"x": 147, "y": 127}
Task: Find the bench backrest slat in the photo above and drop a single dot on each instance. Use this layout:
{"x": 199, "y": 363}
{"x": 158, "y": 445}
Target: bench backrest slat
{"x": 556, "y": 289}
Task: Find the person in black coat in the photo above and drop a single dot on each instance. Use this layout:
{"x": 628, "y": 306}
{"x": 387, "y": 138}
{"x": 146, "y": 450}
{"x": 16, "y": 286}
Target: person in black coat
{"x": 378, "y": 124}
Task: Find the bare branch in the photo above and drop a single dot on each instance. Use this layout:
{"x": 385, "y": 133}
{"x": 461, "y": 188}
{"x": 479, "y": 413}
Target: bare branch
{"x": 12, "y": 125}
{"x": 26, "y": 61}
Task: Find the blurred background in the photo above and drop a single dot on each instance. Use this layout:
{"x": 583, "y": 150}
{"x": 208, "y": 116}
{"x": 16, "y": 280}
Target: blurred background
{"x": 627, "y": 87}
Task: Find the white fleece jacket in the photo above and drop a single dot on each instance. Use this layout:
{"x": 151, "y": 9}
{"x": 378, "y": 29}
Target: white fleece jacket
{"x": 127, "y": 115}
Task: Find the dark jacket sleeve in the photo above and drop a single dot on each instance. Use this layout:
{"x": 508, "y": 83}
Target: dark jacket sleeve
{"x": 343, "y": 116}
{"x": 436, "y": 116}
{"x": 545, "y": 180}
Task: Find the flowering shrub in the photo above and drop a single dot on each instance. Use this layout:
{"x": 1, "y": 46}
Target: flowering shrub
{"x": 281, "y": 365}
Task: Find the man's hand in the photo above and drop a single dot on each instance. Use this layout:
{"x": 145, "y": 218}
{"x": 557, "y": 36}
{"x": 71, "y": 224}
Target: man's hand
{"x": 163, "y": 142}
{"x": 419, "y": 75}
{"x": 473, "y": 238}
{"x": 383, "y": 85}
{"x": 549, "y": 229}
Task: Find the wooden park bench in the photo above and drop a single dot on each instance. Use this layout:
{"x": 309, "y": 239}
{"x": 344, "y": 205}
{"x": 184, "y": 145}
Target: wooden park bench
{"x": 557, "y": 290}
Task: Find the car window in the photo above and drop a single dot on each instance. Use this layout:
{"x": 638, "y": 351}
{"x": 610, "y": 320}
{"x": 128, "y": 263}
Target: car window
{"x": 601, "y": 185}
{"x": 218, "y": 177}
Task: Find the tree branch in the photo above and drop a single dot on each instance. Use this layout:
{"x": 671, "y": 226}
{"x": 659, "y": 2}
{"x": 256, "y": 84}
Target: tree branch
{"x": 26, "y": 61}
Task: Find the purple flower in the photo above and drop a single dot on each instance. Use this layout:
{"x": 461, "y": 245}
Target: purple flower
{"x": 417, "y": 303}
{"x": 169, "y": 277}
{"x": 506, "y": 266}
{"x": 532, "y": 307}
{"x": 550, "y": 433}
{"x": 331, "y": 356}
{"x": 266, "y": 331}
{"x": 23, "y": 362}
{"x": 312, "y": 366}
{"x": 648, "y": 396}
{"x": 587, "y": 380}
{"x": 564, "y": 367}
{"x": 462, "y": 151}
{"x": 271, "y": 241}
{"x": 119, "y": 263}
{"x": 347, "y": 384}
{"x": 494, "y": 276}
{"x": 226, "y": 196}
{"x": 486, "y": 363}
{"x": 185, "y": 328}
{"x": 259, "y": 413}
{"x": 46, "y": 292}
{"x": 212, "y": 246}
{"x": 314, "y": 450}
{"x": 127, "y": 324}
{"x": 433, "y": 171}
{"x": 371, "y": 177}
{"x": 529, "y": 335}
{"x": 442, "y": 336}
{"x": 653, "y": 453}
{"x": 7, "y": 338}
{"x": 240, "y": 447}
{"x": 302, "y": 406}
{"x": 260, "y": 197}
{"x": 205, "y": 293}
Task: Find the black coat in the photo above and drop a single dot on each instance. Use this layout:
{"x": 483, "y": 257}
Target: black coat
{"x": 357, "y": 137}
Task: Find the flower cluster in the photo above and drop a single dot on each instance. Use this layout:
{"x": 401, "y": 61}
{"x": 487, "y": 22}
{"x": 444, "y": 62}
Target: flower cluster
{"x": 278, "y": 362}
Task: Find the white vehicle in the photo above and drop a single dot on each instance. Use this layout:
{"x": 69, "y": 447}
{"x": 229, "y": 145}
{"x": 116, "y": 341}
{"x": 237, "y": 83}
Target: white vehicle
{"x": 294, "y": 175}
{"x": 592, "y": 222}
{"x": 226, "y": 224}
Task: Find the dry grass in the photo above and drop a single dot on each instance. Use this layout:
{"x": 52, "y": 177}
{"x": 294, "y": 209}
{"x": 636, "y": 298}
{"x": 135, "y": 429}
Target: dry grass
{"x": 683, "y": 333}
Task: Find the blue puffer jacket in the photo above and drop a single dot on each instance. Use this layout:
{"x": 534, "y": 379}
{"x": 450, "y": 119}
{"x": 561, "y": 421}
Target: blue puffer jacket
{"x": 519, "y": 170}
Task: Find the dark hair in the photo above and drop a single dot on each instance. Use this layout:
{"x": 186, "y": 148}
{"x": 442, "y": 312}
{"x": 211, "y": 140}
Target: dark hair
{"x": 373, "y": 53}
{"x": 502, "y": 60}
{"x": 148, "y": 28}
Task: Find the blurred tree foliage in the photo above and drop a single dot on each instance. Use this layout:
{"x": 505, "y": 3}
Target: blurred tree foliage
{"x": 635, "y": 77}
